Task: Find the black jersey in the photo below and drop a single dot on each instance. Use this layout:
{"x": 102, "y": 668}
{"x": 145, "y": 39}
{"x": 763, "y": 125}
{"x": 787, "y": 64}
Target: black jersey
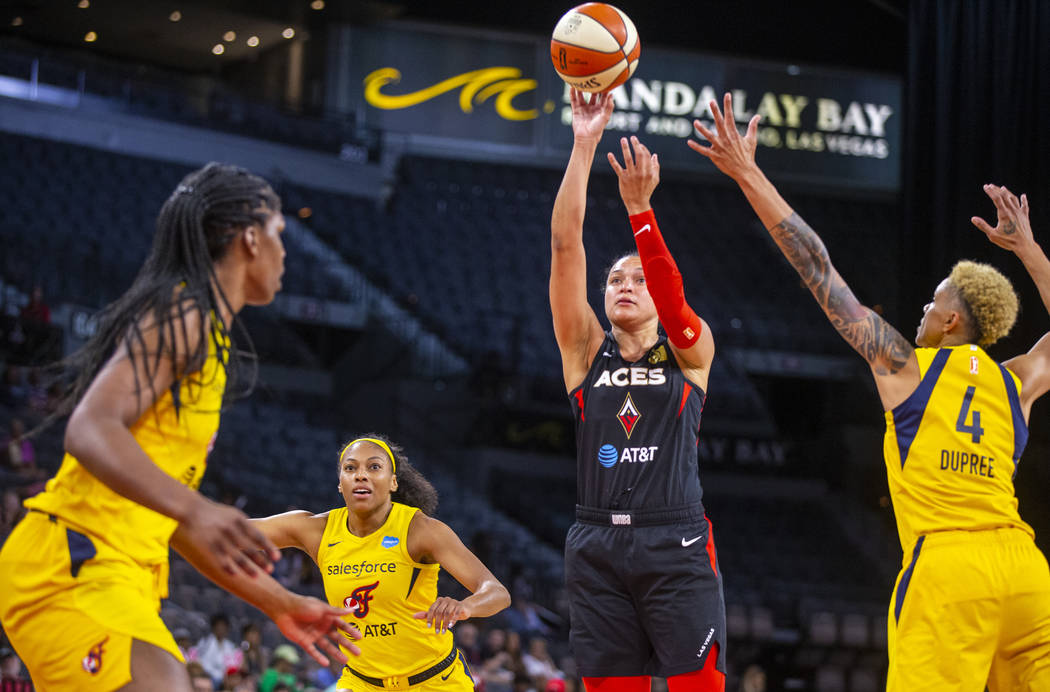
{"x": 637, "y": 428}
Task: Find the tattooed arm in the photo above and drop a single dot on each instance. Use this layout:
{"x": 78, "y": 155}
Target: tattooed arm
{"x": 871, "y": 336}
{"x": 887, "y": 352}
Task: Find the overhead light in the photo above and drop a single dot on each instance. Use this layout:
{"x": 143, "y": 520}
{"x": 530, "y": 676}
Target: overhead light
{"x": 229, "y": 36}
{"x": 175, "y": 16}
{"x": 84, "y": 4}
{"x": 17, "y": 21}
{"x": 91, "y": 37}
{"x": 289, "y": 32}
{"x": 317, "y": 5}
{"x": 253, "y": 41}
{"x": 218, "y": 49}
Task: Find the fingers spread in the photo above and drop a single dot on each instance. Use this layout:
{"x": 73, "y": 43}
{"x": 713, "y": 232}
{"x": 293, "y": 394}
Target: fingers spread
{"x": 628, "y": 158}
{"x": 982, "y": 225}
{"x": 727, "y": 109}
{"x": 703, "y": 131}
{"x": 699, "y": 148}
{"x": 716, "y": 115}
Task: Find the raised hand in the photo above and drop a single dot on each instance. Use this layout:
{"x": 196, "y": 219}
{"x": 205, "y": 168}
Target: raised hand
{"x": 443, "y": 613}
{"x": 732, "y": 154}
{"x": 316, "y": 626}
{"x": 639, "y": 175}
{"x": 1012, "y": 230}
{"x": 590, "y": 118}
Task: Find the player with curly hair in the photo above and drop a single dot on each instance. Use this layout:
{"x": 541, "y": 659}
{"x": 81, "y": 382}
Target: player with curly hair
{"x": 971, "y": 606}
{"x": 379, "y": 556}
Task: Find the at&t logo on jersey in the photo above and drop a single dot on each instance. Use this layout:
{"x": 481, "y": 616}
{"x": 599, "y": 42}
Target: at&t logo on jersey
{"x": 359, "y": 599}
{"x": 609, "y": 456}
{"x": 631, "y": 377}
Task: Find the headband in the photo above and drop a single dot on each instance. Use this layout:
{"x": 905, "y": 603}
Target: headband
{"x": 384, "y": 445}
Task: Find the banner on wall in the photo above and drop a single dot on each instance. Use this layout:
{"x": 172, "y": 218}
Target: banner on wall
{"x": 818, "y": 125}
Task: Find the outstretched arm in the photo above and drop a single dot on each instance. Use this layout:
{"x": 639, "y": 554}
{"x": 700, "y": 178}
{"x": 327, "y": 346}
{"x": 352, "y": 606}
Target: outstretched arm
{"x": 576, "y": 327}
{"x": 430, "y": 539}
{"x": 689, "y": 335}
{"x": 315, "y": 626}
{"x": 886, "y": 351}
{"x": 1013, "y": 231}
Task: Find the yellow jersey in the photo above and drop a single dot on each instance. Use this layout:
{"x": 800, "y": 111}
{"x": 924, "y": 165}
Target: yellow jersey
{"x": 376, "y": 577}
{"x": 176, "y": 438}
{"x": 953, "y": 445}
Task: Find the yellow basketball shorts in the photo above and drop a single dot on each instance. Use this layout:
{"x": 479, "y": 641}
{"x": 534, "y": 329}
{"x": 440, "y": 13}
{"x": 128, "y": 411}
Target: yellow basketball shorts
{"x": 455, "y": 678}
{"x": 970, "y": 609}
{"x": 71, "y": 606}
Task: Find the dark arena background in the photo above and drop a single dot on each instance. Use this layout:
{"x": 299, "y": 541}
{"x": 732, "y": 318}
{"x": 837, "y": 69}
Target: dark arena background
{"x": 417, "y": 148}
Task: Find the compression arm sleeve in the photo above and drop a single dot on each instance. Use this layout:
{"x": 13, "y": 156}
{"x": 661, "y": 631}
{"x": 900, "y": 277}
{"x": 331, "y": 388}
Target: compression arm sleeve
{"x": 683, "y": 326}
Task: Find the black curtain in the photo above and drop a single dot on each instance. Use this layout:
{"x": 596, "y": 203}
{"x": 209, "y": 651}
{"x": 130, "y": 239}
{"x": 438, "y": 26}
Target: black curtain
{"x": 977, "y": 100}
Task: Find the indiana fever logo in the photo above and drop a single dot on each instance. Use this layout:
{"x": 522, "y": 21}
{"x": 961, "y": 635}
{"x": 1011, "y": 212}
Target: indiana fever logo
{"x": 92, "y": 663}
{"x": 477, "y": 86}
{"x": 359, "y": 599}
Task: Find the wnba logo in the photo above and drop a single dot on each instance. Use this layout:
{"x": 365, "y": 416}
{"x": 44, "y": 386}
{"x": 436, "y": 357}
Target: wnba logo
{"x": 92, "y": 663}
{"x": 608, "y": 456}
{"x": 359, "y": 599}
{"x": 562, "y": 59}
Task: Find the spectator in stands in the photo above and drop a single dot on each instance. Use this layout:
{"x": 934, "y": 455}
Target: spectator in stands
{"x": 466, "y": 637}
{"x": 36, "y": 394}
{"x": 972, "y": 601}
{"x": 523, "y": 616}
{"x": 538, "y": 663}
{"x": 753, "y": 679}
{"x": 36, "y": 310}
{"x": 15, "y": 390}
{"x": 640, "y": 566}
{"x": 19, "y": 451}
{"x": 11, "y": 511}
{"x": 145, "y": 405}
{"x": 523, "y": 683}
{"x": 281, "y": 670}
{"x": 182, "y": 640}
{"x": 495, "y": 642}
{"x": 500, "y": 666}
{"x": 215, "y": 652}
{"x": 323, "y": 677}
{"x": 199, "y": 678}
{"x": 12, "y": 678}
{"x": 256, "y": 656}
{"x": 386, "y": 520}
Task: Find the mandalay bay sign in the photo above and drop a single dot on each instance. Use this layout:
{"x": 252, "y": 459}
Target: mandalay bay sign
{"x": 449, "y": 90}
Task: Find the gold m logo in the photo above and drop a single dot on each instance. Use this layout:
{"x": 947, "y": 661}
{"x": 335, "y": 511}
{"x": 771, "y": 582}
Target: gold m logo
{"x": 477, "y": 87}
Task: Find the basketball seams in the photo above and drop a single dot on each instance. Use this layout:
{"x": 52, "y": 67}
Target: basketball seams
{"x": 563, "y": 42}
{"x": 595, "y": 47}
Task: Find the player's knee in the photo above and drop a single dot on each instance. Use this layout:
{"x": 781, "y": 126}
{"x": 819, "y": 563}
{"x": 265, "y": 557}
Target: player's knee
{"x": 619, "y": 683}
{"x": 707, "y": 679}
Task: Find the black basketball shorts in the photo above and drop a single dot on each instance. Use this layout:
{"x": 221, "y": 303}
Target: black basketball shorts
{"x": 645, "y": 592}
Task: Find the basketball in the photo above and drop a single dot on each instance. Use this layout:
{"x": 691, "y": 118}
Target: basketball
{"x": 595, "y": 47}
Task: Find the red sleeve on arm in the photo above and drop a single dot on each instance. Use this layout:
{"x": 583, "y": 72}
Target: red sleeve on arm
{"x": 682, "y": 325}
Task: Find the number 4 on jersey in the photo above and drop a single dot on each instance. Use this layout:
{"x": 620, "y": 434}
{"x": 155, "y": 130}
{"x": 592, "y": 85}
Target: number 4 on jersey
{"x": 974, "y": 428}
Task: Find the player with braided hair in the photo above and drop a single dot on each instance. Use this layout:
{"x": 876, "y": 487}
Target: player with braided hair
{"x": 83, "y": 574}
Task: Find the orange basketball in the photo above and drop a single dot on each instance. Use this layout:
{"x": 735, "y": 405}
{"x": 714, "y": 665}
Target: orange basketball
{"x": 595, "y": 47}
